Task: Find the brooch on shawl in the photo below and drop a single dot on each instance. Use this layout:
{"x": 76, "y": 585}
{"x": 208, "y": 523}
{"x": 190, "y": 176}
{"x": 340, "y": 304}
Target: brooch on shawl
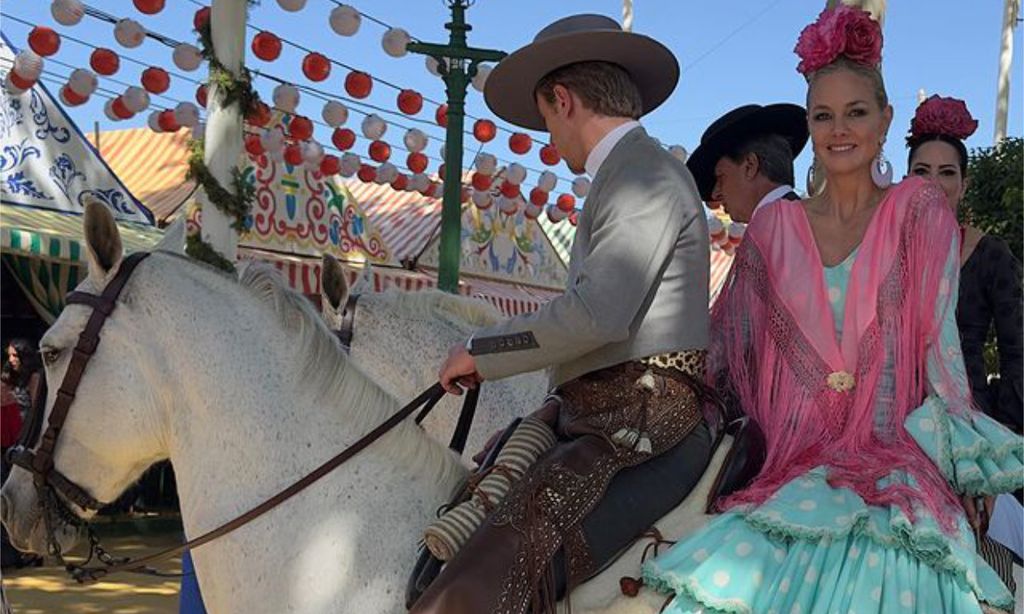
{"x": 840, "y": 381}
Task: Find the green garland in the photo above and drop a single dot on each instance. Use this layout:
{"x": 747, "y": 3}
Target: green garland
{"x": 230, "y": 89}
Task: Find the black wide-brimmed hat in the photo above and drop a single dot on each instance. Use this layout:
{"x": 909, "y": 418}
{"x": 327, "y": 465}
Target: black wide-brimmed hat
{"x": 786, "y": 120}
{"x": 579, "y": 38}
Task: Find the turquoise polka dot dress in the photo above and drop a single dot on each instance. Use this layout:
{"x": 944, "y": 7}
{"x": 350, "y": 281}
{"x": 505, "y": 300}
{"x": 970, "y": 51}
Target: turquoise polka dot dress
{"x": 814, "y": 549}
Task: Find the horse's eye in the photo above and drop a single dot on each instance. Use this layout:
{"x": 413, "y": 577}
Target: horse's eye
{"x": 49, "y": 356}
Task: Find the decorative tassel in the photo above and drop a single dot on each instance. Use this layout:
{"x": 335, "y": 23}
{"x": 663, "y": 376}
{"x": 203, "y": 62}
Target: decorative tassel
{"x": 626, "y": 438}
{"x": 644, "y": 445}
{"x": 647, "y": 381}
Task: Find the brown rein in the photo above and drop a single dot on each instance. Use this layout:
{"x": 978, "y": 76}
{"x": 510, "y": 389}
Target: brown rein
{"x": 54, "y": 488}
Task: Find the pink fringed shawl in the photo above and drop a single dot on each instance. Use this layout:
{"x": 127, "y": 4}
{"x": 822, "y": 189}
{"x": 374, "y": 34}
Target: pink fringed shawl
{"x": 773, "y": 331}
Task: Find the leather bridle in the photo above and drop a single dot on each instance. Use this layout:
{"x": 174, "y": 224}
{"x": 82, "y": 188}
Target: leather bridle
{"x": 54, "y": 489}
{"x": 348, "y": 322}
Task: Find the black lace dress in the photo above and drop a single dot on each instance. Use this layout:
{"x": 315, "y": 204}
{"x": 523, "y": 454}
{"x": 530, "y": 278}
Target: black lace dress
{"x": 990, "y": 293}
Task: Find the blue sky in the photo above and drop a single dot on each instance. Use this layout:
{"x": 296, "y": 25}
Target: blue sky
{"x": 732, "y": 52}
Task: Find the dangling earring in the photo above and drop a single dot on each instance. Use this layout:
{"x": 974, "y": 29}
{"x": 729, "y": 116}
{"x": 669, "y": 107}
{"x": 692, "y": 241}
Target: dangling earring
{"x": 811, "y": 170}
{"x": 881, "y": 170}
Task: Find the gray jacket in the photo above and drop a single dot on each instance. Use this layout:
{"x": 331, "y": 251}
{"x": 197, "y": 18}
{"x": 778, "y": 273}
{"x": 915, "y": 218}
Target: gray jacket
{"x": 638, "y": 275}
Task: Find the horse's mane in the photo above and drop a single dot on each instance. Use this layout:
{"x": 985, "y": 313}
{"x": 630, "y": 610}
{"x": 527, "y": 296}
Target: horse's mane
{"x": 468, "y": 311}
{"x": 327, "y": 370}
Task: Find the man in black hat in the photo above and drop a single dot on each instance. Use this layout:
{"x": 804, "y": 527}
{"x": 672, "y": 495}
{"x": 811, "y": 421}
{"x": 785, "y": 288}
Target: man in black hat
{"x": 745, "y": 158}
{"x": 624, "y": 344}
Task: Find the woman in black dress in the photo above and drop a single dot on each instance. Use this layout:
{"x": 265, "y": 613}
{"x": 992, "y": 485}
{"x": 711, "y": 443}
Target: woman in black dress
{"x": 990, "y": 275}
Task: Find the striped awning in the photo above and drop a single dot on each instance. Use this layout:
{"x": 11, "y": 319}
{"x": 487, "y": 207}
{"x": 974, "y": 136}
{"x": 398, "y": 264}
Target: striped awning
{"x": 152, "y": 164}
{"x": 52, "y": 235}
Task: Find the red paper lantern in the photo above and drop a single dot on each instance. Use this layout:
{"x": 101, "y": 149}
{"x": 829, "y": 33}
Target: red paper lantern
{"x": 104, "y": 61}
{"x": 330, "y": 165}
{"x": 429, "y": 190}
{"x": 202, "y": 93}
{"x": 400, "y": 182}
{"x": 519, "y": 143}
{"x": 366, "y": 173}
{"x": 343, "y": 138}
{"x": 266, "y": 46}
{"x": 417, "y": 162}
{"x": 44, "y": 41}
{"x": 380, "y": 151}
{"x": 201, "y": 18}
{"x": 20, "y": 82}
{"x": 410, "y": 102}
{"x": 482, "y": 182}
{"x": 120, "y": 109}
{"x": 316, "y": 66}
{"x": 293, "y": 154}
{"x": 155, "y": 80}
{"x": 538, "y": 197}
{"x": 358, "y": 84}
{"x": 441, "y": 116}
{"x": 549, "y": 155}
{"x": 509, "y": 190}
{"x": 167, "y": 121}
{"x": 68, "y": 94}
{"x": 484, "y": 130}
{"x": 300, "y": 128}
{"x": 574, "y": 218}
{"x": 566, "y": 202}
{"x": 260, "y": 115}
{"x": 440, "y": 170}
{"x": 149, "y": 7}
{"x": 253, "y": 145}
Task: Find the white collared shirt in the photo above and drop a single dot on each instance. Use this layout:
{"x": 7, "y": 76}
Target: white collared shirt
{"x": 605, "y": 145}
{"x": 773, "y": 196}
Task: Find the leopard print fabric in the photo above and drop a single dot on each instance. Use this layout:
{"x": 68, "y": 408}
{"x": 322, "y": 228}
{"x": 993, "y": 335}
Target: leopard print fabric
{"x": 690, "y": 362}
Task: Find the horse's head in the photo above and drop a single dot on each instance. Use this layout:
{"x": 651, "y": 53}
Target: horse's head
{"x": 112, "y": 431}
{"x": 399, "y": 338}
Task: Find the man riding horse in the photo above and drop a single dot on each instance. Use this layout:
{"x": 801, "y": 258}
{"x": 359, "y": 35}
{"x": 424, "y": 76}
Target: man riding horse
{"x": 625, "y": 343}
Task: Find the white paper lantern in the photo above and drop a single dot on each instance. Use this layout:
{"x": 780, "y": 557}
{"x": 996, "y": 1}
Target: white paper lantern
{"x": 335, "y": 114}
{"x": 286, "y": 97}
{"x": 419, "y": 182}
{"x": 187, "y": 57}
{"x": 442, "y": 151}
{"x": 28, "y": 65}
{"x": 480, "y": 79}
{"x": 736, "y": 231}
{"x": 374, "y": 127}
{"x": 312, "y": 152}
{"x": 272, "y": 140}
{"x": 715, "y": 226}
{"x": 82, "y": 82}
{"x": 345, "y": 20}
{"x": 433, "y": 66}
{"x": 386, "y": 173}
{"x": 108, "y": 110}
{"x": 482, "y": 199}
{"x": 135, "y": 99}
{"x": 515, "y": 173}
{"x": 486, "y": 163}
{"x": 580, "y": 187}
{"x": 292, "y": 5}
{"x": 153, "y": 121}
{"x": 438, "y": 190}
{"x": 395, "y": 41}
{"x": 129, "y": 33}
{"x": 415, "y": 140}
{"x": 67, "y": 12}
{"x": 199, "y": 131}
{"x": 679, "y": 152}
{"x": 508, "y": 206}
{"x": 186, "y": 114}
{"x": 547, "y": 181}
{"x": 349, "y": 164}
{"x": 555, "y": 214}
{"x": 532, "y": 211}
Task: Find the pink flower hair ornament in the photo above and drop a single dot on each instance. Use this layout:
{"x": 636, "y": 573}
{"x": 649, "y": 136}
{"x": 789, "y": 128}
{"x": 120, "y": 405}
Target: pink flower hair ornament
{"x": 840, "y": 31}
{"x": 945, "y": 116}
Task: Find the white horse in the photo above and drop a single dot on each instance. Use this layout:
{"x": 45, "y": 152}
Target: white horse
{"x": 400, "y": 339}
{"x": 243, "y": 387}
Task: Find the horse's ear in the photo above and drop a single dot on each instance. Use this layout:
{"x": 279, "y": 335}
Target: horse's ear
{"x": 333, "y": 285}
{"x": 174, "y": 238}
{"x": 364, "y": 284}
{"x": 102, "y": 242}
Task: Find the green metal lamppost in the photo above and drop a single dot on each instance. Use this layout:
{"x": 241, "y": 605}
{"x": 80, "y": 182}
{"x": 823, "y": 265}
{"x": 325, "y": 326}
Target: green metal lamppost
{"x": 457, "y": 64}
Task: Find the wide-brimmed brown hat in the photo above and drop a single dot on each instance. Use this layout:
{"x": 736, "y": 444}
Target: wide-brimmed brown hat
{"x": 741, "y": 124}
{"x": 579, "y": 38}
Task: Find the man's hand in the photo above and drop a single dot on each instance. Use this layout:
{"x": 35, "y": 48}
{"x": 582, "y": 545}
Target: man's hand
{"x": 460, "y": 368}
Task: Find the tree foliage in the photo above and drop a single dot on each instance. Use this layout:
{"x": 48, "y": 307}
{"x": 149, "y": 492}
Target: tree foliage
{"x": 994, "y": 202}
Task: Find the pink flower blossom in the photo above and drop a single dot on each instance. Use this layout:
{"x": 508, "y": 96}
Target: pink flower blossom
{"x": 947, "y": 116}
{"x": 840, "y": 31}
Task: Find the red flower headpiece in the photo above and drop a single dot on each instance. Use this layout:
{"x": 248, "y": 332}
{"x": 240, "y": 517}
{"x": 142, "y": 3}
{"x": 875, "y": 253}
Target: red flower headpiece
{"x": 842, "y": 31}
{"x": 947, "y": 116}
